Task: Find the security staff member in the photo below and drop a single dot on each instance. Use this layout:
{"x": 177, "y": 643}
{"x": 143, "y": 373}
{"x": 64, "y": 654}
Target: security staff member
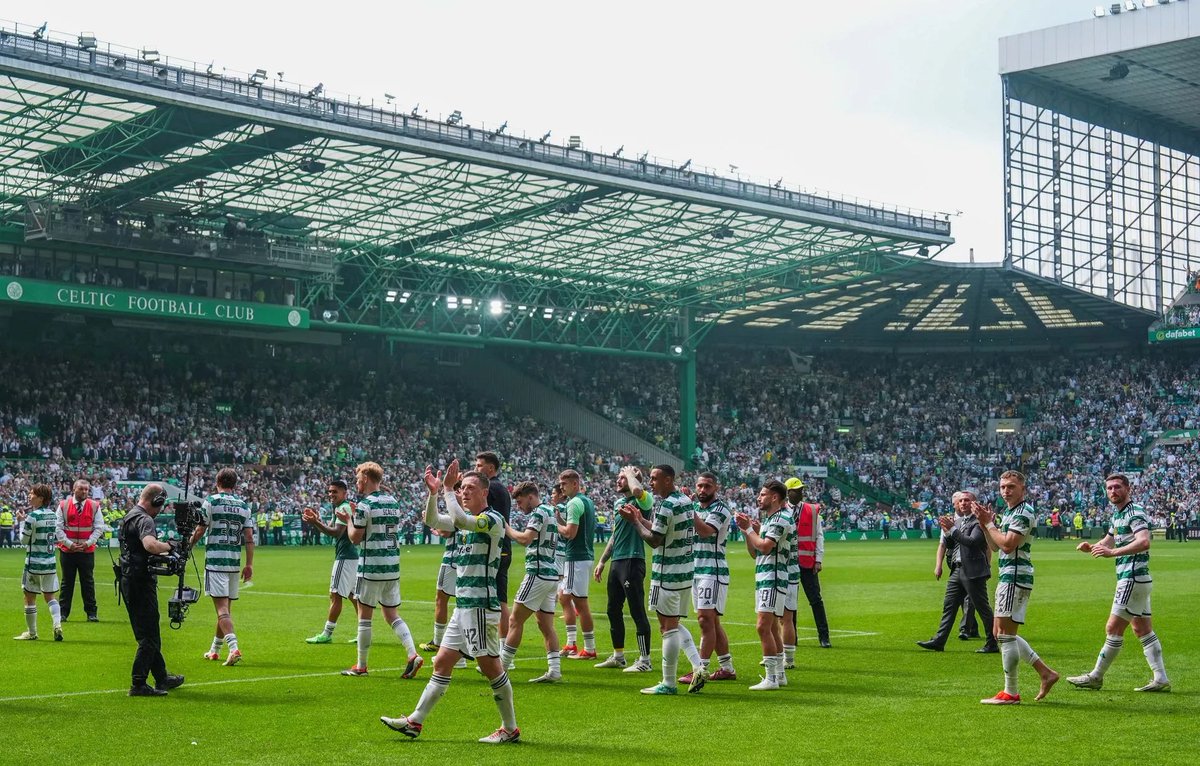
{"x": 80, "y": 527}
{"x": 139, "y": 588}
{"x": 810, "y": 542}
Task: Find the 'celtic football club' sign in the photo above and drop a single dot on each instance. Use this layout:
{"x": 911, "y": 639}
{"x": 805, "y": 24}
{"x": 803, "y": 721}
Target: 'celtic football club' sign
{"x": 151, "y": 305}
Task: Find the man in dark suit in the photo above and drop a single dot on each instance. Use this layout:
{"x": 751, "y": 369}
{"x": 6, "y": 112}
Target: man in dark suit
{"x": 970, "y": 568}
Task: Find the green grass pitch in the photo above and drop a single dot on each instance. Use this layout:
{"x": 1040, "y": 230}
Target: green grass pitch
{"x": 874, "y": 698}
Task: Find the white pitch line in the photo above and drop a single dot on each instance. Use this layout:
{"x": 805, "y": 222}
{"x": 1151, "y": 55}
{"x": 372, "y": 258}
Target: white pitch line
{"x": 192, "y": 685}
{"x": 322, "y": 596}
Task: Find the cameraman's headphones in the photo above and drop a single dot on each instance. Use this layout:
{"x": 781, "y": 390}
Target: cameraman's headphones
{"x": 159, "y": 500}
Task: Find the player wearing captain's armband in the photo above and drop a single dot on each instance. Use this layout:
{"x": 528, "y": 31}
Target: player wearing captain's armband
{"x": 473, "y": 630}
{"x": 1128, "y": 541}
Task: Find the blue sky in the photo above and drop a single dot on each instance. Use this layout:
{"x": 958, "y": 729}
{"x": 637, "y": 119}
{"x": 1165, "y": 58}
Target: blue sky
{"x": 889, "y": 100}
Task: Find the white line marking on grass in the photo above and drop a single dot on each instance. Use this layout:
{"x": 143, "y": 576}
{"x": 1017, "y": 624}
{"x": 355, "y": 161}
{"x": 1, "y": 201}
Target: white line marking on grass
{"x": 191, "y": 685}
{"x": 322, "y": 596}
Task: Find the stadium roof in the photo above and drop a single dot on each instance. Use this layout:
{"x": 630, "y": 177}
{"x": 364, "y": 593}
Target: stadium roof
{"x": 931, "y": 305}
{"x": 652, "y": 254}
{"x": 1137, "y": 72}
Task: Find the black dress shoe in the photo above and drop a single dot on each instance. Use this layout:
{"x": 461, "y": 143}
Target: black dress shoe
{"x": 931, "y": 645}
{"x": 145, "y": 690}
{"x": 172, "y": 681}
{"x": 990, "y": 648}
{"x": 825, "y": 644}
{"x": 93, "y": 618}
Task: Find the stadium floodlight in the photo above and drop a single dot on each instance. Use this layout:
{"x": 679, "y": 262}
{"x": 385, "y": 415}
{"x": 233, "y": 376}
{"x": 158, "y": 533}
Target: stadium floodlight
{"x": 118, "y": 62}
{"x": 416, "y": 111}
{"x": 677, "y": 350}
{"x": 574, "y": 142}
{"x": 389, "y": 97}
{"x": 391, "y": 296}
{"x": 1114, "y": 9}
{"x": 150, "y": 56}
{"x": 259, "y": 77}
{"x": 329, "y": 315}
{"x": 468, "y": 301}
{"x": 454, "y": 118}
{"x": 451, "y": 302}
{"x": 404, "y": 296}
{"x": 1149, "y": 3}
{"x": 545, "y": 137}
{"x": 162, "y": 73}
{"x": 1099, "y": 11}
{"x": 87, "y": 41}
{"x": 316, "y": 90}
{"x": 617, "y": 153}
{"x": 40, "y": 32}
{"x": 1130, "y": 5}
{"x": 495, "y": 307}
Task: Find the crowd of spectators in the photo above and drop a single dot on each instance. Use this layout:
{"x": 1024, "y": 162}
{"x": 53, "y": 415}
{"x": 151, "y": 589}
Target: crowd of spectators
{"x": 916, "y": 429}
{"x": 290, "y": 422}
{"x": 908, "y": 431}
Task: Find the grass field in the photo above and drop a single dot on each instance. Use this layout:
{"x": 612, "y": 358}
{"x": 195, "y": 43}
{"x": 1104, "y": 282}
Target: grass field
{"x": 875, "y": 697}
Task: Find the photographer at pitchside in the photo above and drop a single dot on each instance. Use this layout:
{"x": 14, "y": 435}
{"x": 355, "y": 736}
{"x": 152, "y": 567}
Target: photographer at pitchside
{"x": 139, "y": 589}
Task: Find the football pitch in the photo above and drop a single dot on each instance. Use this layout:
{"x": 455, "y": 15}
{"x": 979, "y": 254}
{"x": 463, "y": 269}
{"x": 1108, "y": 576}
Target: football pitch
{"x": 874, "y": 697}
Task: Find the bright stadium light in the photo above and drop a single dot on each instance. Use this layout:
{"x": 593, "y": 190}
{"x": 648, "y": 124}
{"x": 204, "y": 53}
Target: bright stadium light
{"x": 87, "y": 41}
{"x": 677, "y": 350}
{"x": 259, "y": 77}
{"x": 1099, "y": 11}
{"x": 468, "y": 301}
{"x": 150, "y": 56}
{"x": 451, "y": 302}
{"x": 496, "y": 307}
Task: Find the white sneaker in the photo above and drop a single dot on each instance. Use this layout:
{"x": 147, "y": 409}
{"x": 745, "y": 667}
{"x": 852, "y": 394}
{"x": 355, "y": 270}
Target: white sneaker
{"x": 613, "y": 661}
{"x": 641, "y": 666}
{"x": 764, "y": 685}
{"x": 1155, "y": 686}
{"x": 1086, "y": 681}
{"x": 781, "y": 680}
{"x": 512, "y": 665}
{"x": 502, "y": 735}
{"x": 26, "y": 636}
{"x": 547, "y": 678}
{"x": 462, "y": 663}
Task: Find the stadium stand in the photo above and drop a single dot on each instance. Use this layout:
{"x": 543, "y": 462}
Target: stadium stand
{"x": 897, "y": 436}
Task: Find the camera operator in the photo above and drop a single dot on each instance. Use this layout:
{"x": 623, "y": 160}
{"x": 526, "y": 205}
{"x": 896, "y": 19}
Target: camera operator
{"x": 139, "y": 588}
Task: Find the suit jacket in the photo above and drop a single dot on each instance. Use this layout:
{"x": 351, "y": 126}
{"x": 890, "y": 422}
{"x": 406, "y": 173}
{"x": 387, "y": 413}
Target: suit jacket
{"x": 972, "y": 549}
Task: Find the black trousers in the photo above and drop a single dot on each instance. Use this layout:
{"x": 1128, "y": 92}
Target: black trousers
{"x": 627, "y": 585}
{"x": 83, "y": 564}
{"x": 811, "y": 584}
{"x": 141, "y": 601}
{"x": 968, "y": 625}
{"x": 959, "y": 587}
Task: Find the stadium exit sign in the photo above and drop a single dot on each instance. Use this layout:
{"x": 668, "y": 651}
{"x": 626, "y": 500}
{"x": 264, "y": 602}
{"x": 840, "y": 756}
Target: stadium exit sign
{"x": 151, "y": 305}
